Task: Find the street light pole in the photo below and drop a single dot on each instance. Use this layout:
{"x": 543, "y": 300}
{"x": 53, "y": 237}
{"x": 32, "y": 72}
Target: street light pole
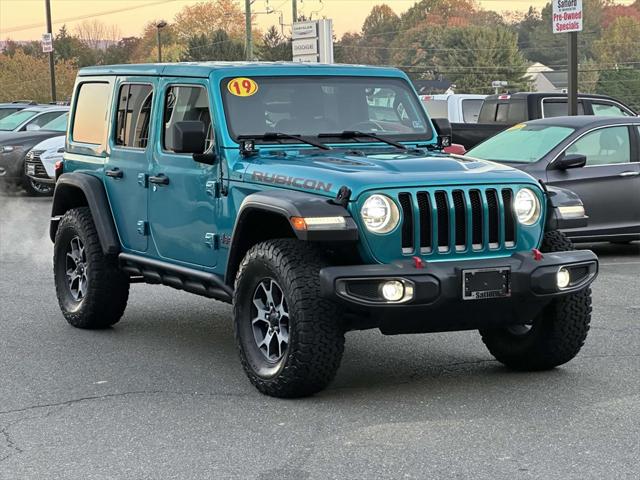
{"x": 52, "y": 65}
{"x": 247, "y": 20}
{"x": 160, "y": 25}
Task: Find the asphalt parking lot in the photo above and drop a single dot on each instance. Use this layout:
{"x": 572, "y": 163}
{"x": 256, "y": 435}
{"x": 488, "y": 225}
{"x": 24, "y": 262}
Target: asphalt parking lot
{"x": 162, "y": 395}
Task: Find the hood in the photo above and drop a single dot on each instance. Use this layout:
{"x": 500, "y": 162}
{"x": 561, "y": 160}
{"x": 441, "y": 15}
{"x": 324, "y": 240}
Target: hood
{"x": 24, "y": 138}
{"x": 326, "y": 172}
{"x": 53, "y": 143}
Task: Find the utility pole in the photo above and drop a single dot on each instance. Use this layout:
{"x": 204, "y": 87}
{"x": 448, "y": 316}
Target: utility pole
{"x": 572, "y": 74}
{"x": 249, "y": 39}
{"x": 52, "y": 65}
{"x": 294, "y": 10}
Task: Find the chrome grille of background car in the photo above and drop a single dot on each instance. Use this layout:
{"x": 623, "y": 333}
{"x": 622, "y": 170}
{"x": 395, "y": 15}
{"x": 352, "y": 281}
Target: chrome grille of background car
{"x": 33, "y": 157}
{"x": 457, "y": 220}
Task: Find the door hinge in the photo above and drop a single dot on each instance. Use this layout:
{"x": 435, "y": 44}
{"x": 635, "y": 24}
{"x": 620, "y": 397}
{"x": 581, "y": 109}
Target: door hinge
{"x": 212, "y": 240}
{"x": 212, "y": 187}
{"x": 143, "y": 180}
{"x": 143, "y": 227}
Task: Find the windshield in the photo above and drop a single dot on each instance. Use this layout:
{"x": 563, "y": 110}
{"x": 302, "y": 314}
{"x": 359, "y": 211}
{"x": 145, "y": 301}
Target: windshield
{"x": 15, "y": 119}
{"x": 521, "y": 143}
{"x": 58, "y": 124}
{"x": 310, "y": 106}
{"x": 5, "y": 112}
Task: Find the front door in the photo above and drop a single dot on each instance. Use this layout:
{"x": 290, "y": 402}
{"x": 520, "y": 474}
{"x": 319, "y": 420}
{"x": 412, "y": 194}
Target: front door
{"x": 181, "y": 195}
{"x": 127, "y": 165}
{"x": 609, "y": 184}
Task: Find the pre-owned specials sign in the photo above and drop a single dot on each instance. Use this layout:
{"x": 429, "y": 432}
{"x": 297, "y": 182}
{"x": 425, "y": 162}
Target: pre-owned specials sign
{"x": 567, "y": 16}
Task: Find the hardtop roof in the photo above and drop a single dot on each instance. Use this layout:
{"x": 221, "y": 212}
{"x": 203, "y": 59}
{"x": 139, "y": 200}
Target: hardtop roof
{"x": 204, "y": 69}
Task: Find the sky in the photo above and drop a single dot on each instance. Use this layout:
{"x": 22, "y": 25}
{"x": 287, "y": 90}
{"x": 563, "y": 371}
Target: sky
{"x": 25, "y": 19}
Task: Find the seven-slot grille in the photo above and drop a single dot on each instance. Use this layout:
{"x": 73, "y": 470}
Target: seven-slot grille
{"x": 457, "y": 220}
{"x": 33, "y": 158}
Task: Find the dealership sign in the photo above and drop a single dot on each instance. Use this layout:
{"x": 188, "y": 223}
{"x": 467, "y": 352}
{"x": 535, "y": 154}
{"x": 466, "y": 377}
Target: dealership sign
{"x": 567, "y": 16}
{"x": 312, "y": 42}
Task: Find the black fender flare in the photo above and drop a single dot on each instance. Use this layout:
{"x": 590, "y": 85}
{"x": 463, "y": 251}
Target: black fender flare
{"x": 557, "y": 199}
{"x": 82, "y": 189}
{"x": 287, "y": 204}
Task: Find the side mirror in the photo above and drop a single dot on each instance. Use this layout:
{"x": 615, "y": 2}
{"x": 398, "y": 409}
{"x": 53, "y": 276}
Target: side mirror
{"x": 572, "y": 160}
{"x": 443, "y": 129}
{"x": 188, "y": 136}
{"x": 32, "y": 127}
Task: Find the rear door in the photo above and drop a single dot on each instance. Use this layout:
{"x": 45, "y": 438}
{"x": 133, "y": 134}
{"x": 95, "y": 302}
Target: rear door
{"x": 609, "y": 184}
{"x": 127, "y": 166}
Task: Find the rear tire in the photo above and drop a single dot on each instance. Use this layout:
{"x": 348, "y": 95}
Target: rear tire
{"x": 556, "y": 334}
{"x": 92, "y": 291}
{"x": 290, "y": 340}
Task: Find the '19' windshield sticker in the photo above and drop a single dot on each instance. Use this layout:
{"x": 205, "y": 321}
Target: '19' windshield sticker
{"x": 242, "y": 87}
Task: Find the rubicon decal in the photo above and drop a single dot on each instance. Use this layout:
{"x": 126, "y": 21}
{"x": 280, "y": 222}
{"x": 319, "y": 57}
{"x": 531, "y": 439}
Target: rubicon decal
{"x": 296, "y": 182}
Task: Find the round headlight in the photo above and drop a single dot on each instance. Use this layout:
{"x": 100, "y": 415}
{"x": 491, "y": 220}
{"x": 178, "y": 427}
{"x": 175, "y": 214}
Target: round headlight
{"x": 527, "y": 207}
{"x": 380, "y": 214}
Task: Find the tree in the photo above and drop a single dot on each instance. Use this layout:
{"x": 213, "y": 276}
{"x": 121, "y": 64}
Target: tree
{"x": 26, "y": 76}
{"x": 274, "y": 46}
{"x": 69, "y": 48}
{"x": 614, "y": 45}
{"x": 348, "y": 50}
{"x": 470, "y": 57}
{"x": 97, "y": 35}
{"x": 122, "y": 52}
{"x": 623, "y": 84}
{"x": 205, "y": 17}
{"x": 215, "y": 46}
{"x": 378, "y": 31}
{"x": 458, "y": 13}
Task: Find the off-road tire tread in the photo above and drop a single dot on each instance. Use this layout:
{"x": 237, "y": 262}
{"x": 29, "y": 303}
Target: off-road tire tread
{"x": 317, "y": 345}
{"x": 565, "y": 325}
{"x": 108, "y": 292}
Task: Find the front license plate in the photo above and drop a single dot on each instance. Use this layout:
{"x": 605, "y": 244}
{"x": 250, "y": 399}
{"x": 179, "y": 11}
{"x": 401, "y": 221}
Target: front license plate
{"x": 31, "y": 169}
{"x": 484, "y": 283}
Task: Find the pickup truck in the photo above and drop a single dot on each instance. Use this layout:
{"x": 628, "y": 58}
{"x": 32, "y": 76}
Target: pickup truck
{"x": 317, "y": 200}
{"x": 456, "y": 107}
{"x": 499, "y": 112}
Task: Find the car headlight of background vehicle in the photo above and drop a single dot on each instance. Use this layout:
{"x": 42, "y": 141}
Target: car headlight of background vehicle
{"x": 527, "y": 207}
{"x": 7, "y": 148}
{"x": 380, "y": 214}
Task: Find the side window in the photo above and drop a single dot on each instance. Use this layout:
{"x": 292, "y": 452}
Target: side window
{"x": 502, "y": 113}
{"x": 45, "y": 118}
{"x": 605, "y": 109}
{"x": 559, "y": 108}
{"x": 186, "y": 103}
{"x": 488, "y": 112}
{"x": 134, "y": 115}
{"x": 517, "y": 111}
{"x": 471, "y": 109}
{"x": 605, "y": 146}
{"x": 90, "y": 117}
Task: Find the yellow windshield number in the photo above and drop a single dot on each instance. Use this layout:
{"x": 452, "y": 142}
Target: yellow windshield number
{"x": 242, "y": 87}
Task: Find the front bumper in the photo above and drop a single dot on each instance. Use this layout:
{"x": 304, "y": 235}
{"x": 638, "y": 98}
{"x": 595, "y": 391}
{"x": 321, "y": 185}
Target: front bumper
{"x": 12, "y": 165}
{"x": 437, "y": 304}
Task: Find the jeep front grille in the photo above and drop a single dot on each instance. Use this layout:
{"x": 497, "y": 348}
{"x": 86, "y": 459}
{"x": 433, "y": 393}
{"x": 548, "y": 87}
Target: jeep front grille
{"x": 458, "y": 220}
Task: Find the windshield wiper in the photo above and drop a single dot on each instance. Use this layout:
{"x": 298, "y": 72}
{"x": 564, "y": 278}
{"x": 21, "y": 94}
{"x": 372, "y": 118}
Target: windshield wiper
{"x": 357, "y": 134}
{"x": 280, "y": 136}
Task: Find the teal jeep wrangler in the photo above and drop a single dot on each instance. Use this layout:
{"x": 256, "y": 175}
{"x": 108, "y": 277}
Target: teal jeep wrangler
{"x": 317, "y": 200}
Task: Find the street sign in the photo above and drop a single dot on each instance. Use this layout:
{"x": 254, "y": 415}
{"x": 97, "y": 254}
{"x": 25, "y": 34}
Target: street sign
{"x": 306, "y": 59}
{"x": 304, "y": 30}
{"x": 47, "y": 42}
{"x": 567, "y": 16}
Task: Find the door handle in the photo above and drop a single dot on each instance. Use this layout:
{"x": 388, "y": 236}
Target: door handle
{"x": 114, "y": 173}
{"x": 629, "y": 174}
{"x": 160, "y": 179}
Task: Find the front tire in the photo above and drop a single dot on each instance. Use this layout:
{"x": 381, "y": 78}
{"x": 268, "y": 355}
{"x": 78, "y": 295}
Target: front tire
{"x": 556, "y": 334}
{"x": 290, "y": 340}
{"x": 92, "y": 291}
{"x": 35, "y": 188}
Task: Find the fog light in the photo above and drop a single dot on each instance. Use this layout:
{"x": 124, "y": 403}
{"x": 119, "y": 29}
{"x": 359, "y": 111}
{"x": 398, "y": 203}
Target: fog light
{"x": 393, "y": 291}
{"x": 563, "y": 278}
